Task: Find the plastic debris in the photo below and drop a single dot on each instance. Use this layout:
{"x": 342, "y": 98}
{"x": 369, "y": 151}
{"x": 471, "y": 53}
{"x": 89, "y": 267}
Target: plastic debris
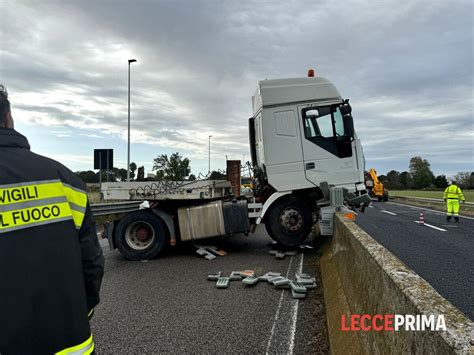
{"x": 298, "y": 295}
{"x": 247, "y": 273}
{"x": 250, "y": 280}
{"x": 214, "y": 276}
{"x": 235, "y": 276}
{"x": 299, "y": 287}
{"x": 268, "y": 276}
{"x": 222, "y": 282}
{"x": 209, "y": 251}
{"x": 280, "y": 254}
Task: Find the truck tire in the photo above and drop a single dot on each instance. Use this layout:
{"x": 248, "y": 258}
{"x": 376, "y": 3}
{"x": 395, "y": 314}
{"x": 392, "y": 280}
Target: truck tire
{"x": 140, "y": 235}
{"x": 289, "y": 221}
{"x": 385, "y": 196}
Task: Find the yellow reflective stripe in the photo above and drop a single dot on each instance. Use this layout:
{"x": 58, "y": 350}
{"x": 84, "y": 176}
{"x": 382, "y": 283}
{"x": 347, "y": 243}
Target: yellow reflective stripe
{"x": 36, "y": 215}
{"x": 26, "y": 194}
{"x": 90, "y": 350}
{"x": 41, "y": 190}
{"x": 86, "y": 346}
{"x": 78, "y": 218}
{"x": 75, "y": 196}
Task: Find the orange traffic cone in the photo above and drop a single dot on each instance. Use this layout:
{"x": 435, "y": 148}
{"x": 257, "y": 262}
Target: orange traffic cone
{"x": 422, "y": 218}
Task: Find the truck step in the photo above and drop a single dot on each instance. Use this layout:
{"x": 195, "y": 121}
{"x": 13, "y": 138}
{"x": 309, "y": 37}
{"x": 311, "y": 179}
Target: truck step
{"x": 222, "y": 282}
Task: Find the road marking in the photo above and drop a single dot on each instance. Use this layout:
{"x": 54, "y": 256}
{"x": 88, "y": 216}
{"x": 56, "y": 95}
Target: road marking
{"x": 427, "y": 209}
{"x": 294, "y": 313}
{"x": 434, "y": 227}
{"x": 277, "y": 312}
{"x": 385, "y": 211}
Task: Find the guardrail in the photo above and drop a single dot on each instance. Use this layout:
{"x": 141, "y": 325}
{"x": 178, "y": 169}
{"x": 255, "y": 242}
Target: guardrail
{"x": 103, "y": 209}
{"x": 426, "y": 199}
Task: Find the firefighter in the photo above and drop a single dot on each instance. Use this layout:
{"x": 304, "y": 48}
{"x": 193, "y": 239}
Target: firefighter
{"x": 452, "y": 195}
{"x": 51, "y": 263}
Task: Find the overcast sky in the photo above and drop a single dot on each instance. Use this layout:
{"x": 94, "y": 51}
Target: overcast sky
{"x": 407, "y": 67}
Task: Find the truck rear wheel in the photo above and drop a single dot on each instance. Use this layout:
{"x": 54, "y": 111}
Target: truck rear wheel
{"x": 289, "y": 222}
{"x": 140, "y": 235}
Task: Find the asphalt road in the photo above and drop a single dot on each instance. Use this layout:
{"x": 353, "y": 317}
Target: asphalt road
{"x": 166, "y": 305}
{"x": 442, "y": 253}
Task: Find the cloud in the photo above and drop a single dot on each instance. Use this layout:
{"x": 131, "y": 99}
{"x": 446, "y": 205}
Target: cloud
{"x": 407, "y": 68}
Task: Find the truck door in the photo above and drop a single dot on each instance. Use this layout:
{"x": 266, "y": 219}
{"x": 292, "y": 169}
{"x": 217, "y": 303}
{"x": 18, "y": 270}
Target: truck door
{"x": 328, "y": 146}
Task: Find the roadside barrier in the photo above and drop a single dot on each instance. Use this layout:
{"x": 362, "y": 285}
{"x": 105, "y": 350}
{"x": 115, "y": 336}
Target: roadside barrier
{"x": 363, "y": 279}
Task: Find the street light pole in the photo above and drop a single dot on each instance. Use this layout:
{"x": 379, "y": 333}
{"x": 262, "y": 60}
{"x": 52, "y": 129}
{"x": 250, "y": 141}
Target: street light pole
{"x": 210, "y": 154}
{"x": 128, "y": 141}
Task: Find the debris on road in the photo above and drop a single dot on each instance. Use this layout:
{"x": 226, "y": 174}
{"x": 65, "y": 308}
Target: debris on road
{"x": 247, "y": 273}
{"x": 250, "y": 280}
{"x": 299, "y": 287}
{"x": 214, "y": 276}
{"x": 222, "y": 282}
{"x": 280, "y": 254}
{"x": 269, "y": 275}
{"x": 209, "y": 252}
{"x": 235, "y": 276}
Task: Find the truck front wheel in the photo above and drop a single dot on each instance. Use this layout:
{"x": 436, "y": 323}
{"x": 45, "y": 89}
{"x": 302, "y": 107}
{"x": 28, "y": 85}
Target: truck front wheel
{"x": 289, "y": 222}
{"x": 140, "y": 235}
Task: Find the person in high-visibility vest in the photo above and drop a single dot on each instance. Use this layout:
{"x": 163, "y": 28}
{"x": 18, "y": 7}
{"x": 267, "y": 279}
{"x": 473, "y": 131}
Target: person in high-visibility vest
{"x": 452, "y": 195}
{"x": 51, "y": 262}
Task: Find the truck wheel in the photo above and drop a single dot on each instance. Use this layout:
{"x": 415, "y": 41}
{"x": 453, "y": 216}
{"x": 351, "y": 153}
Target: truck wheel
{"x": 385, "y": 196}
{"x": 140, "y": 235}
{"x": 289, "y": 222}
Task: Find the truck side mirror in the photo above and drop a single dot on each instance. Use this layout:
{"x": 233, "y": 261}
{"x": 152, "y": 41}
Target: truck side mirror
{"x": 348, "y": 125}
{"x": 345, "y": 108}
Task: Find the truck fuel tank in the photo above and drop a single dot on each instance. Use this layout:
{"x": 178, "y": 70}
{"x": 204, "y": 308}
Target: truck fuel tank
{"x": 213, "y": 219}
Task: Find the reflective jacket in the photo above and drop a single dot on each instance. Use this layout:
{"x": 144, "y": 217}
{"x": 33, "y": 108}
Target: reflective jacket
{"x": 453, "y": 192}
{"x": 51, "y": 263}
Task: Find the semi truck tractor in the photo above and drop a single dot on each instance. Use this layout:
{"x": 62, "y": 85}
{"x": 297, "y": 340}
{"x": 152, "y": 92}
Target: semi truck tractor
{"x": 303, "y": 145}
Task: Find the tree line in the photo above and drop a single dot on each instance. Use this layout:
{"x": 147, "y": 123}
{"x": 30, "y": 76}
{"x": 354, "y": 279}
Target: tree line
{"x": 420, "y": 176}
{"x": 168, "y": 168}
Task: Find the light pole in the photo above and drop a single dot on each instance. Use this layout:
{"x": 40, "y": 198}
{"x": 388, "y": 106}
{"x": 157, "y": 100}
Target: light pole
{"x": 210, "y": 154}
{"x": 128, "y": 144}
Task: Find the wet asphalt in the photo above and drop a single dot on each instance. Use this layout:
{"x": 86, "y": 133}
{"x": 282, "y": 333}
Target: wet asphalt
{"x": 166, "y": 305}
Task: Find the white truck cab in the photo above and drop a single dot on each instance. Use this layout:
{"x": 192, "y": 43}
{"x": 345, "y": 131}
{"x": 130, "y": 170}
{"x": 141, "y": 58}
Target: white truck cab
{"x": 301, "y": 137}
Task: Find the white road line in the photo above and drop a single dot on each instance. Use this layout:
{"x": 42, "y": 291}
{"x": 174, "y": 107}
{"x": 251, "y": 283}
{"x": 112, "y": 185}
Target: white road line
{"x": 384, "y": 211}
{"x": 294, "y": 314}
{"x": 434, "y": 227}
{"x": 427, "y": 209}
{"x": 277, "y": 312}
